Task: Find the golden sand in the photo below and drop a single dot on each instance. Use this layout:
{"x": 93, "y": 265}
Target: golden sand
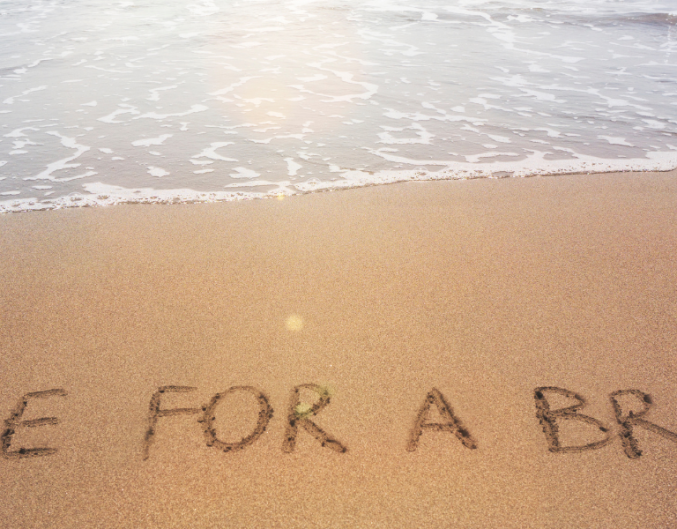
{"x": 416, "y": 322}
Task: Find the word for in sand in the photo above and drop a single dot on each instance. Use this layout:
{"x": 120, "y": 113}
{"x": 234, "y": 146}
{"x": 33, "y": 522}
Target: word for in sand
{"x": 629, "y": 406}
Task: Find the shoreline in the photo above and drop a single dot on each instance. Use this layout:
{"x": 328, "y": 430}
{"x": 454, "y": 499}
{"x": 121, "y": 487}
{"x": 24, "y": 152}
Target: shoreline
{"x": 110, "y": 195}
{"x": 483, "y": 290}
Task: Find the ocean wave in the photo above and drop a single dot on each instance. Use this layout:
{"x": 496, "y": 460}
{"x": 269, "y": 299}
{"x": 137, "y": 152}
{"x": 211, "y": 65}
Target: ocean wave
{"x": 300, "y": 96}
{"x": 657, "y": 20}
{"x": 99, "y": 194}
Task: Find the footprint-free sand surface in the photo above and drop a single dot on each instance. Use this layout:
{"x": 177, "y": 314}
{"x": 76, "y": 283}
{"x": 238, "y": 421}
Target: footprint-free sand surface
{"x": 417, "y": 323}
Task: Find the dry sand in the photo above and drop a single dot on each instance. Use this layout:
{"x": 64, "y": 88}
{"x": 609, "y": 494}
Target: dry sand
{"x": 484, "y": 290}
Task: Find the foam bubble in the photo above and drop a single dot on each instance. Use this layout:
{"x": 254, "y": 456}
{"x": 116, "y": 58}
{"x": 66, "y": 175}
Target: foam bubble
{"x": 243, "y": 172}
{"x": 157, "y": 171}
{"x": 147, "y": 142}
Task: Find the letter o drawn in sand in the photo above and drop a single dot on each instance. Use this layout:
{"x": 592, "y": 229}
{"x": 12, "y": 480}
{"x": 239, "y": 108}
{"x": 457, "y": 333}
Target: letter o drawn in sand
{"x": 207, "y": 420}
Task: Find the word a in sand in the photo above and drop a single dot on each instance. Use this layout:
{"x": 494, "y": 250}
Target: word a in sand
{"x": 299, "y": 416}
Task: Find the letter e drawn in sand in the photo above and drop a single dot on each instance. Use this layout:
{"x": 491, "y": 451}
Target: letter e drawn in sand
{"x": 15, "y": 422}
{"x": 299, "y": 415}
{"x": 155, "y": 412}
{"x": 631, "y": 418}
{"x": 451, "y": 423}
{"x": 549, "y": 420}
{"x": 265, "y": 414}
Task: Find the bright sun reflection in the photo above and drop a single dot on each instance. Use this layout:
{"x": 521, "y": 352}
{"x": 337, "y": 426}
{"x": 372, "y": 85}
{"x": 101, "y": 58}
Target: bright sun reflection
{"x": 298, "y": 66}
{"x": 294, "y": 322}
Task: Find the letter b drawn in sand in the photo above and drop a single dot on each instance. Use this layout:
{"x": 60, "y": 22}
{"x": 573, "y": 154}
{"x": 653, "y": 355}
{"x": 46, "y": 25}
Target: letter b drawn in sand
{"x": 451, "y": 423}
{"x": 15, "y": 422}
{"x": 299, "y": 415}
{"x": 549, "y": 420}
{"x": 632, "y": 418}
{"x": 265, "y": 414}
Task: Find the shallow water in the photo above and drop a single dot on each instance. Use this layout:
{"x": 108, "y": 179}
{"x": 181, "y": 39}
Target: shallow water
{"x": 156, "y": 101}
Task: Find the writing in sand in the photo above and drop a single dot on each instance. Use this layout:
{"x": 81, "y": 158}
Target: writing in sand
{"x": 630, "y": 406}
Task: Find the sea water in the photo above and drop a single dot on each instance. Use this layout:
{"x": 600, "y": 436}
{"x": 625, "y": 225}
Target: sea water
{"x": 105, "y": 102}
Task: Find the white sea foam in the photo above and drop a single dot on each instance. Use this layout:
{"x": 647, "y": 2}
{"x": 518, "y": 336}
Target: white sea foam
{"x": 157, "y": 171}
{"x": 147, "y": 142}
{"x": 62, "y": 164}
{"x": 155, "y": 96}
{"x": 615, "y": 140}
{"x": 125, "y": 109}
{"x": 292, "y": 166}
{"x": 99, "y": 194}
{"x": 155, "y": 115}
{"x": 10, "y": 100}
{"x": 210, "y": 152}
{"x": 243, "y": 172}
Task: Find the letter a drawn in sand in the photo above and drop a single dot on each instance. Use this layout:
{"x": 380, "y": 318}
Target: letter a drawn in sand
{"x": 15, "y": 422}
{"x": 299, "y": 416}
{"x": 631, "y": 418}
{"x": 451, "y": 423}
{"x": 549, "y": 420}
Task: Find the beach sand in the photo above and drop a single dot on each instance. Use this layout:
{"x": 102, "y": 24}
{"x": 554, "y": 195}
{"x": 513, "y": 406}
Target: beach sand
{"x": 483, "y": 290}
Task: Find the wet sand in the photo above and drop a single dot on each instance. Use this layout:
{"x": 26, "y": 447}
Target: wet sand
{"x": 482, "y": 290}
